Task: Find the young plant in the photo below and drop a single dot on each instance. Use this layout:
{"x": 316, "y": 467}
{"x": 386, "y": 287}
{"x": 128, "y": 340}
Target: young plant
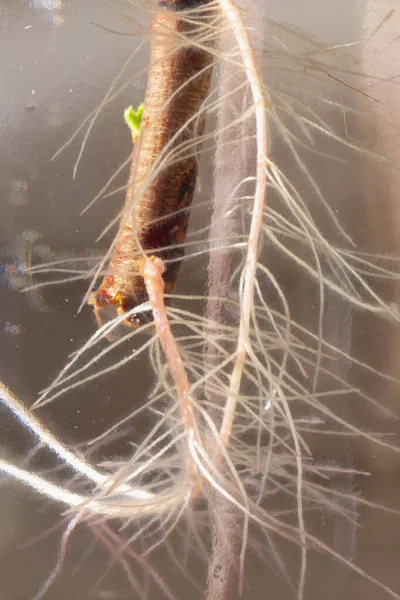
{"x": 250, "y": 373}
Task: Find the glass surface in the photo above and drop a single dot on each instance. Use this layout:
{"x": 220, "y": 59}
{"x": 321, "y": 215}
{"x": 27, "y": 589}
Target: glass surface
{"x": 56, "y": 64}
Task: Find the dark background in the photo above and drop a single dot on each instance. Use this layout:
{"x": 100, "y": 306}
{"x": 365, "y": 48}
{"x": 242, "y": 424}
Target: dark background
{"x": 55, "y": 65}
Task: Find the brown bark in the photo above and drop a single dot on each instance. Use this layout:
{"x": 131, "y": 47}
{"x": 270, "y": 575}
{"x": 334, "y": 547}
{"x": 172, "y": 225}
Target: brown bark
{"x": 150, "y": 221}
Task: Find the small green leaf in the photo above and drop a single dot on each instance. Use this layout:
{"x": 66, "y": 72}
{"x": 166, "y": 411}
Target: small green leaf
{"x": 134, "y": 119}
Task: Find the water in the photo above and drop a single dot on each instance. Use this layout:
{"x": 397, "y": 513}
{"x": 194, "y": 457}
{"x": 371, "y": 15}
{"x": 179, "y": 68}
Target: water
{"x": 55, "y": 66}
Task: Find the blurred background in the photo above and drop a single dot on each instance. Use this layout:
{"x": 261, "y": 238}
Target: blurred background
{"x": 57, "y": 61}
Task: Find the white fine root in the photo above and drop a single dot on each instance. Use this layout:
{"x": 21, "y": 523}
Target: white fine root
{"x": 240, "y": 407}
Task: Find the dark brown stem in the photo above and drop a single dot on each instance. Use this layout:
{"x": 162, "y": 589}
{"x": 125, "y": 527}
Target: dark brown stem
{"x": 235, "y": 157}
{"x": 223, "y": 567}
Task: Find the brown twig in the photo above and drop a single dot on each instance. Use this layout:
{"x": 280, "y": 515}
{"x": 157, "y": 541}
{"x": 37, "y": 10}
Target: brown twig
{"x": 178, "y": 84}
